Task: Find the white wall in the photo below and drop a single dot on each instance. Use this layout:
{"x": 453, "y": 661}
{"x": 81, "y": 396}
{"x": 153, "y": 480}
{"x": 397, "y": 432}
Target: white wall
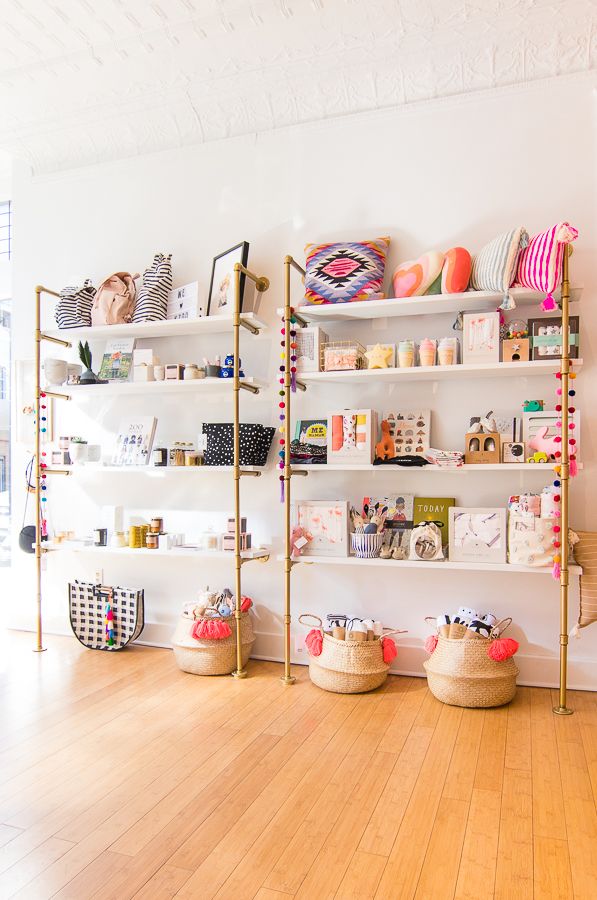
{"x": 455, "y": 172}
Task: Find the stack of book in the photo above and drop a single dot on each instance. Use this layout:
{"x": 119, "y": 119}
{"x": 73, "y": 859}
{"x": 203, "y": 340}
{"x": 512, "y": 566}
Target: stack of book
{"x": 448, "y": 459}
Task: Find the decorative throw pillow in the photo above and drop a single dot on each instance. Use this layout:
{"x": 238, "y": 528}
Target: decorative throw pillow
{"x": 494, "y": 267}
{"x": 456, "y": 271}
{"x": 345, "y": 272}
{"x": 540, "y": 264}
{"x": 413, "y": 278}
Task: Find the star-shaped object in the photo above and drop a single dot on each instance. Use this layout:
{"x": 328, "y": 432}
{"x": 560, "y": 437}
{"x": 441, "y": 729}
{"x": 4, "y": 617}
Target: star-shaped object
{"x": 378, "y": 357}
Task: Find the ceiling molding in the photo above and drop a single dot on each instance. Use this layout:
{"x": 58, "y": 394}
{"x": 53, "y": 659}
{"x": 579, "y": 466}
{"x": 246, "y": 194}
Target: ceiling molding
{"x": 109, "y": 81}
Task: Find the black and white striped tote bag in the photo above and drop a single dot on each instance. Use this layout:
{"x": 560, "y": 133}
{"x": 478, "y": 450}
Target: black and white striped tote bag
{"x": 73, "y": 310}
{"x": 152, "y": 298}
{"x": 87, "y": 609}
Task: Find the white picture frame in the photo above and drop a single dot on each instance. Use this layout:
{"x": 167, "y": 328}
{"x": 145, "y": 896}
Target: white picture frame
{"x": 327, "y": 522}
{"x": 361, "y": 449}
{"x": 481, "y": 338}
{"x": 477, "y": 534}
{"x": 309, "y": 341}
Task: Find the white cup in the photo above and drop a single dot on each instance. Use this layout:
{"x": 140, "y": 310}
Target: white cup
{"x": 55, "y": 371}
{"x": 77, "y": 452}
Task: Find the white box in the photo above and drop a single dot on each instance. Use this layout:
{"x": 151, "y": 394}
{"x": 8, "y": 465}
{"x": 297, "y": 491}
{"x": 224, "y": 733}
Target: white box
{"x": 145, "y": 357}
{"x": 308, "y": 350}
{"x": 184, "y": 303}
{"x": 143, "y": 373}
{"x": 351, "y": 436}
{"x": 477, "y": 535}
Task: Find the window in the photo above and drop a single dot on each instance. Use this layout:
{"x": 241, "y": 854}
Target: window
{"x": 3, "y": 385}
{"x": 3, "y": 473}
{"x": 5, "y": 229}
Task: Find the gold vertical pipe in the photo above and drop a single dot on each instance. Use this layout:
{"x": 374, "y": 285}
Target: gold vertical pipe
{"x": 39, "y": 648}
{"x": 287, "y": 677}
{"x": 239, "y": 672}
{"x": 562, "y": 709}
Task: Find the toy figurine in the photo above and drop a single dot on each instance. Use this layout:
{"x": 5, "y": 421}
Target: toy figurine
{"x": 385, "y": 448}
{"x": 544, "y": 444}
{"x": 227, "y": 370}
{"x": 532, "y": 405}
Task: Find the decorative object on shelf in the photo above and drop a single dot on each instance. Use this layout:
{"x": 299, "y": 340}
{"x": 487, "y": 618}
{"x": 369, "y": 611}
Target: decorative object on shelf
{"x": 73, "y": 373}
{"x": 144, "y": 373}
{"x": 434, "y": 509}
{"x": 118, "y": 359}
{"x": 299, "y": 538}
{"x": 73, "y": 309}
{"x": 541, "y": 430}
{"x": 481, "y": 340}
{"x": 456, "y": 271}
{"x": 55, "y": 371}
{"x": 89, "y": 605}
{"x": 366, "y": 546}
{"x": 159, "y": 456}
{"x": 350, "y": 666}
{"x": 61, "y": 458}
{"x": 516, "y": 343}
{"x": 88, "y": 377}
{"x": 205, "y": 639}
{"x": 385, "y": 449}
{"x": 529, "y": 539}
{"x": 340, "y": 356}
{"x": 345, "y": 272}
{"x": 494, "y": 267}
{"x": 255, "y": 441}
{"x": 351, "y": 436}
{"x": 415, "y": 277}
{"x": 78, "y": 450}
{"x": 445, "y": 459}
{"x": 540, "y": 263}
{"x": 309, "y": 342}
{"x": 427, "y": 352}
{"x": 134, "y": 441}
{"x": 100, "y": 537}
{"x": 426, "y": 542}
{"x": 220, "y": 300}
{"x": 513, "y": 451}
{"x": 184, "y": 304}
{"x": 380, "y": 356}
{"x": 114, "y": 301}
{"x": 406, "y": 354}
{"x": 397, "y": 520}
{"x": 192, "y": 372}
{"x": 477, "y": 535}
{"x": 481, "y": 446}
{"x": 546, "y": 337}
{"x": 227, "y": 370}
{"x": 532, "y": 405}
{"x": 410, "y": 430}
{"x": 474, "y": 673}
{"x": 151, "y": 304}
{"x": 159, "y": 373}
{"x": 174, "y": 372}
{"x": 327, "y": 523}
{"x": 309, "y": 446}
{"x": 213, "y": 369}
{"x": 567, "y": 443}
{"x": 447, "y": 351}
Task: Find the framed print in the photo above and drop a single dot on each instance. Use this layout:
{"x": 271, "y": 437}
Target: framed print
{"x": 481, "y": 341}
{"x": 546, "y": 337}
{"x": 410, "y": 431}
{"x": 477, "y": 535}
{"x": 221, "y": 288}
{"x": 327, "y": 523}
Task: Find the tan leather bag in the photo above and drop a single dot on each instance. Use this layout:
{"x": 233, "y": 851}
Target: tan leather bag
{"x": 114, "y": 302}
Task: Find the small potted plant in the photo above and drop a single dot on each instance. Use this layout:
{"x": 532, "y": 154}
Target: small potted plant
{"x": 77, "y": 450}
{"x": 88, "y": 377}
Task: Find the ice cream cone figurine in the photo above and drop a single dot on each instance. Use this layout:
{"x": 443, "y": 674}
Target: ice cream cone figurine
{"x": 427, "y": 350}
{"x": 406, "y": 354}
{"x": 446, "y": 352}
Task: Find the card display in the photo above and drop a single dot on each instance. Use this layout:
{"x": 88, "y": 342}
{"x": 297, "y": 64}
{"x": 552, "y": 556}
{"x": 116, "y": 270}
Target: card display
{"x": 134, "y": 441}
{"x": 410, "y": 431}
{"x": 117, "y": 360}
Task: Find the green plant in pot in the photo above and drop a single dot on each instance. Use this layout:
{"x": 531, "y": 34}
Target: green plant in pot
{"x": 88, "y": 377}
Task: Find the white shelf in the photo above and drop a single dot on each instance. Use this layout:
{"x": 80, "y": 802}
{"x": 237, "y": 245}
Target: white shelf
{"x": 433, "y": 304}
{"x": 201, "y": 385}
{"x": 85, "y": 469}
{"x": 148, "y": 330}
{"x": 178, "y": 552}
{"x": 440, "y": 566}
{"x": 437, "y": 373}
{"x": 545, "y": 469}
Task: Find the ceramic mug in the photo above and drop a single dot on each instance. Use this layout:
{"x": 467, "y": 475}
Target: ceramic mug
{"x": 55, "y": 370}
{"x": 77, "y": 452}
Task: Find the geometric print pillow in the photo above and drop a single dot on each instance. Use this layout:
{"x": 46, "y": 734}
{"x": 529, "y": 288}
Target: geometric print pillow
{"x": 345, "y": 272}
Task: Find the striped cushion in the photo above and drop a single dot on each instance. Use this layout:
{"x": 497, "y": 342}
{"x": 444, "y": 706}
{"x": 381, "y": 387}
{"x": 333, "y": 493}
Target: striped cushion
{"x": 343, "y": 273}
{"x": 152, "y": 298}
{"x": 540, "y": 265}
{"x": 73, "y": 310}
{"x": 494, "y": 267}
{"x": 585, "y": 554}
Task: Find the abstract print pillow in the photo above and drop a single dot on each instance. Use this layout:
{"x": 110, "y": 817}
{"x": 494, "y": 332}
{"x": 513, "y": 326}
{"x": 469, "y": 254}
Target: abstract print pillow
{"x": 494, "y": 267}
{"x": 345, "y": 272}
{"x": 540, "y": 265}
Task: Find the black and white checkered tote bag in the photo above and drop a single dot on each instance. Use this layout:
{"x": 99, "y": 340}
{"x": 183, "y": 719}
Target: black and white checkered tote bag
{"x": 152, "y": 297}
{"x": 88, "y": 605}
{"x": 73, "y": 310}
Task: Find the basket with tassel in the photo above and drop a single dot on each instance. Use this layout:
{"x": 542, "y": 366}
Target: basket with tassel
{"x": 472, "y": 673}
{"x": 347, "y": 667}
{"x": 204, "y": 641}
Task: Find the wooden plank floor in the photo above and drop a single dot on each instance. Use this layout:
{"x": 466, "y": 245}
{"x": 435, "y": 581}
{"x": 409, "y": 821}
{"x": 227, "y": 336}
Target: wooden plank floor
{"x": 122, "y": 777}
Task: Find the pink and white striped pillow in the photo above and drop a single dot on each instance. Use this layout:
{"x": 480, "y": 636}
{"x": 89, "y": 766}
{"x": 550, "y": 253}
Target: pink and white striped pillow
{"x": 540, "y": 264}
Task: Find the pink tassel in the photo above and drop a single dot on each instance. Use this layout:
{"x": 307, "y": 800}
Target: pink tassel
{"x": 210, "y": 629}
{"x": 431, "y": 643}
{"x": 502, "y": 648}
{"x": 246, "y": 604}
{"x": 314, "y": 642}
{"x": 281, "y": 490}
{"x": 573, "y": 470}
{"x": 556, "y": 571}
{"x": 293, "y": 382}
{"x": 221, "y": 629}
{"x": 389, "y": 649}
{"x": 549, "y": 304}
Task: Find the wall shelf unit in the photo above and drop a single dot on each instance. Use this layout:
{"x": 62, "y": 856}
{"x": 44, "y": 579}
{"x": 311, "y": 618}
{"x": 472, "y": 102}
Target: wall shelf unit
{"x": 175, "y": 328}
{"x": 213, "y": 386}
{"x": 529, "y": 468}
{"x": 90, "y": 470}
{"x": 437, "y": 373}
{"x": 421, "y": 564}
{"x": 259, "y": 553}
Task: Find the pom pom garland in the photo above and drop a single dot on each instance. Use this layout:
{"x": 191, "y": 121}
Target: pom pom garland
{"x": 572, "y": 469}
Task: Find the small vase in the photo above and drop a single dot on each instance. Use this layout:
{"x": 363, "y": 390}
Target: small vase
{"x": 88, "y": 377}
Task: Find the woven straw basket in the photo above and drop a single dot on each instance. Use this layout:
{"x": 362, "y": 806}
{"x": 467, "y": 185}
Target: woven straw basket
{"x": 346, "y": 667}
{"x": 460, "y": 673}
{"x": 208, "y": 656}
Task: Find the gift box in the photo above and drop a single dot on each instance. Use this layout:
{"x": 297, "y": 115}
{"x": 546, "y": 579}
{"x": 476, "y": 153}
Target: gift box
{"x": 228, "y": 541}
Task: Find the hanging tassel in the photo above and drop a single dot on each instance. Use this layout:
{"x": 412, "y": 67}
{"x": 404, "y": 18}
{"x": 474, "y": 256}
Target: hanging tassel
{"x": 575, "y": 633}
{"x": 431, "y": 643}
{"x": 314, "y": 642}
{"x": 508, "y": 302}
{"x": 502, "y": 648}
{"x": 389, "y": 649}
{"x": 573, "y": 470}
{"x": 281, "y": 489}
{"x": 245, "y": 604}
{"x": 109, "y": 626}
{"x": 556, "y": 571}
{"x": 549, "y": 304}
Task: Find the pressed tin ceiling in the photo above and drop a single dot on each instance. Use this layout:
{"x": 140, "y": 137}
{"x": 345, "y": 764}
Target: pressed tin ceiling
{"x": 83, "y": 81}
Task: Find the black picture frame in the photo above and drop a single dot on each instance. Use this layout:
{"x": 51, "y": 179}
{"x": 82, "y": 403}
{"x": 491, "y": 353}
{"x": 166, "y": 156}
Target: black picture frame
{"x": 222, "y": 268}
{"x": 533, "y": 327}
